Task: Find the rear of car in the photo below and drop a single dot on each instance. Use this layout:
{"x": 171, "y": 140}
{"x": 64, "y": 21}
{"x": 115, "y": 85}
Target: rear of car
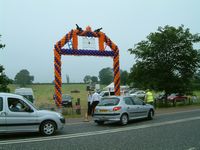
{"x": 27, "y": 93}
{"x": 66, "y": 100}
{"x": 109, "y": 109}
{"x": 122, "y": 109}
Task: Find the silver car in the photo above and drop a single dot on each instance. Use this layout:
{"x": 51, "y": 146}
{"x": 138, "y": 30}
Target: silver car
{"x": 19, "y": 115}
{"x": 122, "y": 109}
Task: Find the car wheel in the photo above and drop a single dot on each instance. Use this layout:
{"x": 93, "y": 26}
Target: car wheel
{"x": 48, "y": 128}
{"x": 150, "y": 114}
{"x": 99, "y": 122}
{"x": 124, "y": 119}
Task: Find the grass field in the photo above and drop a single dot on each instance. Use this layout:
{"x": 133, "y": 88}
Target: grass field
{"x": 44, "y": 93}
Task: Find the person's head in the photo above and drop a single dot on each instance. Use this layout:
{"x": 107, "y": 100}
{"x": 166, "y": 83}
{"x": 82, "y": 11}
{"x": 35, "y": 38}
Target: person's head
{"x": 14, "y": 102}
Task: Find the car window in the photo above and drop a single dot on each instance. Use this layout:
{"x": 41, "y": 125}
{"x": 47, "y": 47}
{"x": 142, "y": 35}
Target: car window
{"x": 128, "y": 101}
{"x": 137, "y": 101}
{"x": 112, "y": 93}
{"x": 106, "y": 94}
{"x": 29, "y": 97}
{"x": 109, "y": 102}
{"x": 17, "y": 105}
{"x": 66, "y": 97}
{"x": 1, "y": 103}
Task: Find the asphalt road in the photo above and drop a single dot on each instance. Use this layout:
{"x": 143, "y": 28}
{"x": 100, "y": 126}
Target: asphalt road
{"x": 175, "y": 131}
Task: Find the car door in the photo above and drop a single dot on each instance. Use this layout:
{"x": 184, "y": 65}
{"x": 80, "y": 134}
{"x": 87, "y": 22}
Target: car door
{"x": 2, "y": 115}
{"x": 129, "y": 107}
{"x": 19, "y": 119}
{"x": 140, "y": 107}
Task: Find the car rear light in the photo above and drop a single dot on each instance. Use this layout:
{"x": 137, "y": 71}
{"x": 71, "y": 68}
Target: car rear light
{"x": 117, "y": 108}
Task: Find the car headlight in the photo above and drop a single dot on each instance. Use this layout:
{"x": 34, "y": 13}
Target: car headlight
{"x": 60, "y": 115}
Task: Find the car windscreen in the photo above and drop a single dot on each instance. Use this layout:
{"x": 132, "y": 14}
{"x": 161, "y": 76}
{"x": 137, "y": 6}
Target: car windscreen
{"x": 29, "y": 97}
{"x": 66, "y": 97}
{"x": 30, "y": 103}
{"x": 109, "y": 102}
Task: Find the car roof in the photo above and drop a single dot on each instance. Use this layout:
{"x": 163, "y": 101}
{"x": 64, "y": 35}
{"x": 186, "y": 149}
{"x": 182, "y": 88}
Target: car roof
{"x": 113, "y": 96}
{"x": 10, "y": 94}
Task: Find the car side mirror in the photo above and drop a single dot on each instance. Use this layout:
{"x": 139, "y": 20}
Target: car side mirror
{"x": 29, "y": 110}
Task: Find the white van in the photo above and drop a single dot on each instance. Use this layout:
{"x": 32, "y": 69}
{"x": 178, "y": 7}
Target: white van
{"x": 26, "y": 92}
{"x": 19, "y": 115}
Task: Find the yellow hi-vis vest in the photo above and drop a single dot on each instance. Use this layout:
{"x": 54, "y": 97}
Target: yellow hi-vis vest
{"x": 149, "y": 97}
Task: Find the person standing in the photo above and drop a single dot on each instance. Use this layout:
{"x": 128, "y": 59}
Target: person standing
{"x": 89, "y": 103}
{"x": 149, "y": 97}
{"x": 95, "y": 100}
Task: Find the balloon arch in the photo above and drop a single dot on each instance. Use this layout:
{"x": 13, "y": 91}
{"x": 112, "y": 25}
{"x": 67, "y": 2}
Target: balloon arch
{"x": 72, "y": 37}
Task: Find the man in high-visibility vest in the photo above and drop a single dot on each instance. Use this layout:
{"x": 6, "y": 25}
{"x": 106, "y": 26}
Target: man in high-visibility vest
{"x": 149, "y": 97}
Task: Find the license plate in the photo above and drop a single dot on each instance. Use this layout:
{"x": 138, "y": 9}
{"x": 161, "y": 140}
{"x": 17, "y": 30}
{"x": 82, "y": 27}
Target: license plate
{"x": 103, "y": 110}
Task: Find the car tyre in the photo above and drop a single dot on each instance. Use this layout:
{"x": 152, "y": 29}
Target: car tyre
{"x": 150, "y": 114}
{"x": 124, "y": 119}
{"x": 99, "y": 122}
{"x": 48, "y": 128}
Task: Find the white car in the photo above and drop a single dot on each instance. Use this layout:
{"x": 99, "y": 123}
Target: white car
{"x": 17, "y": 114}
{"x": 141, "y": 94}
{"x": 106, "y": 93}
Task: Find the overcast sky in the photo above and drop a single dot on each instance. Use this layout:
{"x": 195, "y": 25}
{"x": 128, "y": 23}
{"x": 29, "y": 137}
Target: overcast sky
{"x": 30, "y": 28}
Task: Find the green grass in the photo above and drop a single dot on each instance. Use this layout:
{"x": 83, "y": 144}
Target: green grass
{"x": 44, "y": 93}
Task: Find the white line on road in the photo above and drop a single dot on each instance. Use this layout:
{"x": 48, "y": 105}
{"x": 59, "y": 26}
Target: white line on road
{"x": 93, "y": 133}
{"x": 179, "y": 112}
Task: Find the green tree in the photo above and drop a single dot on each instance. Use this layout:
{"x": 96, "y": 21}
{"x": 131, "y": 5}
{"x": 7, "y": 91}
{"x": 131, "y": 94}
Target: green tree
{"x": 124, "y": 77}
{"x": 166, "y": 60}
{"x": 87, "y": 79}
{"x": 106, "y": 75}
{"x": 196, "y": 81}
{"x": 94, "y": 79}
{"x": 23, "y": 78}
{"x": 4, "y": 80}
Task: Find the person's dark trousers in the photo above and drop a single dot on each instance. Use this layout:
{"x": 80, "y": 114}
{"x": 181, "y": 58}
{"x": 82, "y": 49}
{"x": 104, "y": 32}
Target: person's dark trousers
{"x": 155, "y": 104}
{"x": 94, "y": 104}
{"x": 89, "y": 109}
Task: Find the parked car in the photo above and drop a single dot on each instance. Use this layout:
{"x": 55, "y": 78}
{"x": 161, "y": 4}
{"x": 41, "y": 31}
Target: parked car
{"x": 160, "y": 97}
{"x": 27, "y": 93}
{"x": 17, "y": 114}
{"x": 122, "y": 109}
{"x": 106, "y": 93}
{"x": 177, "y": 97}
{"x": 133, "y": 90}
{"x": 66, "y": 100}
{"x": 141, "y": 94}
